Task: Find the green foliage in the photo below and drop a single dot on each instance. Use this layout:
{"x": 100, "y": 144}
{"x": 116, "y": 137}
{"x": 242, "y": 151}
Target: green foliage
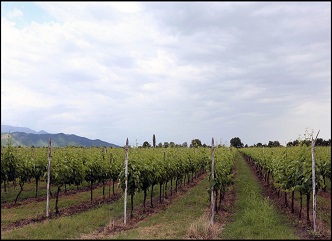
{"x": 146, "y": 144}
{"x": 273, "y": 144}
{"x": 195, "y": 143}
{"x": 291, "y": 167}
{"x": 39, "y": 162}
{"x": 236, "y": 142}
{"x": 73, "y": 165}
{"x": 223, "y": 169}
{"x": 9, "y": 171}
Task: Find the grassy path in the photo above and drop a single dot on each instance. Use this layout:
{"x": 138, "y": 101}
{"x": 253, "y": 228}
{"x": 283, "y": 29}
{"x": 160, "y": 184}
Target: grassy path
{"x": 255, "y": 217}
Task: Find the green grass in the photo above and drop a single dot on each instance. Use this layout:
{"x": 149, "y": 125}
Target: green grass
{"x": 65, "y": 227}
{"x": 35, "y": 209}
{"x": 175, "y": 220}
{"x": 255, "y": 217}
{"x": 69, "y": 227}
{"x": 323, "y": 207}
{"x": 29, "y": 190}
{"x": 75, "y": 226}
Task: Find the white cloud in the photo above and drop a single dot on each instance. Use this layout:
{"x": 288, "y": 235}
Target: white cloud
{"x": 14, "y": 13}
{"x": 178, "y": 70}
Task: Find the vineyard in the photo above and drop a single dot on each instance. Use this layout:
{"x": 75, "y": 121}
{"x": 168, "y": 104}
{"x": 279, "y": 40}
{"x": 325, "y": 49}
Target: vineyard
{"x": 289, "y": 170}
{"x": 83, "y": 179}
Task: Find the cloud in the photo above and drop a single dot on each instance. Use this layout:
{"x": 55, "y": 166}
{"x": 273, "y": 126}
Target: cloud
{"x": 14, "y": 13}
{"x": 178, "y": 70}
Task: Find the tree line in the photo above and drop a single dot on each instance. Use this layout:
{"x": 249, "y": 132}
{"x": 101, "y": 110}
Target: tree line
{"x": 194, "y": 143}
{"x": 236, "y": 142}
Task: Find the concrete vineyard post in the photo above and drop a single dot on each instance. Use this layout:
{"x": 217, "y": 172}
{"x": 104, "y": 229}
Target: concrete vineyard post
{"x": 126, "y": 182}
{"x": 212, "y": 180}
{"x": 313, "y": 180}
{"x": 48, "y": 177}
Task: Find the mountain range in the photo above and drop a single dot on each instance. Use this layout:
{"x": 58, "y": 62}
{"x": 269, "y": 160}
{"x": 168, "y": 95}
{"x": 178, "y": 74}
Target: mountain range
{"x": 23, "y": 136}
{"x": 7, "y": 128}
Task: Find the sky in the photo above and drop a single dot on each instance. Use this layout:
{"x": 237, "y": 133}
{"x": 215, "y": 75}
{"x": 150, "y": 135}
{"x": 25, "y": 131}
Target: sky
{"x": 260, "y": 71}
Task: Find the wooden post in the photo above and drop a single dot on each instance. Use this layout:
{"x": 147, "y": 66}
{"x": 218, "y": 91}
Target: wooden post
{"x": 313, "y": 180}
{"x": 212, "y": 181}
{"x": 126, "y": 182}
{"x": 48, "y": 177}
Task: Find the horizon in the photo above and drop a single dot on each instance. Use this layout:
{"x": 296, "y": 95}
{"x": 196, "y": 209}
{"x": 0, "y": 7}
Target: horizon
{"x": 150, "y": 142}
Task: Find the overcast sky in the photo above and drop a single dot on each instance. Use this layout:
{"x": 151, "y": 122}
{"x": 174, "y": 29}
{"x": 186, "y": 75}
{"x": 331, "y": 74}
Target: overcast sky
{"x": 260, "y": 71}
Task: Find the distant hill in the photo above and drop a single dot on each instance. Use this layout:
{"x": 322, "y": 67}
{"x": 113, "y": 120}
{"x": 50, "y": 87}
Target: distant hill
{"x": 41, "y": 140}
{"x": 7, "y": 128}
